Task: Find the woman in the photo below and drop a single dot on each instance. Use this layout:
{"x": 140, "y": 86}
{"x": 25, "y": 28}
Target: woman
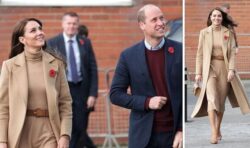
{"x": 215, "y": 66}
{"x": 35, "y": 108}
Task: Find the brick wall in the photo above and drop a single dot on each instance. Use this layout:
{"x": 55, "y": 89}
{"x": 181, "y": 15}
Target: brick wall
{"x": 111, "y": 30}
{"x": 196, "y": 13}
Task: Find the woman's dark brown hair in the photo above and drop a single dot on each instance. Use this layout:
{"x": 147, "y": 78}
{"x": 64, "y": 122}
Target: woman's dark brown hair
{"x": 16, "y": 46}
{"x": 225, "y": 19}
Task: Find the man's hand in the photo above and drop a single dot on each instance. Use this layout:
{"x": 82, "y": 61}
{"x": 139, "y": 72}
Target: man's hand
{"x": 91, "y": 102}
{"x": 3, "y": 145}
{"x": 157, "y": 102}
{"x": 63, "y": 142}
{"x": 178, "y": 140}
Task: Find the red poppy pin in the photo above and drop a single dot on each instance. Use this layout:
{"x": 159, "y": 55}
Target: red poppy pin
{"x": 171, "y": 50}
{"x": 225, "y": 37}
{"x": 52, "y": 73}
{"x": 81, "y": 41}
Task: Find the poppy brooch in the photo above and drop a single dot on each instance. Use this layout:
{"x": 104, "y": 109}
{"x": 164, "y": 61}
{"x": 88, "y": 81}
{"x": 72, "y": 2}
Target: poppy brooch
{"x": 52, "y": 73}
{"x": 171, "y": 50}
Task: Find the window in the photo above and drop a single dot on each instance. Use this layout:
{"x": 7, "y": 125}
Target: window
{"x": 66, "y": 2}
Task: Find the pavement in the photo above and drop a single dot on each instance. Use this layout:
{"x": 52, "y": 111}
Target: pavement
{"x": 235, "y": 127}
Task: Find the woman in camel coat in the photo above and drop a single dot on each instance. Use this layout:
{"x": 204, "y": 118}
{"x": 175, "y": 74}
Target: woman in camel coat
{"x": 35, "y": 108}
{"x": 215, "y": 66}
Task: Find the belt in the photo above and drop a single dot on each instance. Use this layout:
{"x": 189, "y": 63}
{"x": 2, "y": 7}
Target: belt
{"x": 218, "y": 58}
{"x": 37, "y": 112}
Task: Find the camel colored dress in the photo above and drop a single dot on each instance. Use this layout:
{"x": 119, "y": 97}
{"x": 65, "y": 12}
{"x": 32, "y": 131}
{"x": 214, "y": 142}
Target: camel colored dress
{"x": 37, "y": 131}
{"x": 217, "y": 85}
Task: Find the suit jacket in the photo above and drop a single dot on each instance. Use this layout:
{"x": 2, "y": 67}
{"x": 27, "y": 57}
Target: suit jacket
{"x": 14, "y": 97}
{"x": 132, "y": 71}
{"x": 237, "y": 95}
{"x": 88, "y": 62}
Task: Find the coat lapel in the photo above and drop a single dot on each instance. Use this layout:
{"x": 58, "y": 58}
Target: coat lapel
{"x": 225, "y": 40}
{"x": 21, "y": 77}
{"x": 62, "y": 47}
{"x": 80, "y": 43}
{"x": 50, "y": 76}
{"x": 210, "y": 39}
{"x": 169, "y": 59}
{"x": 141, "y": 59}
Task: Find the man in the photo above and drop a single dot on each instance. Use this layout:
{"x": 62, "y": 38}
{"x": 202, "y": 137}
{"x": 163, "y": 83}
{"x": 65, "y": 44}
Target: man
{"x": 226, "y": 8}
{"x": 81, "y": 74}
{"x": 152, "y": 69}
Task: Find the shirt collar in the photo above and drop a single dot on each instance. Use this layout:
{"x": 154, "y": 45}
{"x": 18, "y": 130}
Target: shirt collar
{"x": 149, "y": 47}
{"x": 67, "y": 38}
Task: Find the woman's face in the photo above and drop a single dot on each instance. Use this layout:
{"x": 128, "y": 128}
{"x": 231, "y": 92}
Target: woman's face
{"x": 216, "y": 18}
{"x": 34, "y": 37}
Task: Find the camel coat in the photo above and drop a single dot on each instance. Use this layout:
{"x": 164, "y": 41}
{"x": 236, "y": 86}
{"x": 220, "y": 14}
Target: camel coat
{"x": 237, "y": 95}
{"x": 14, "y": 97}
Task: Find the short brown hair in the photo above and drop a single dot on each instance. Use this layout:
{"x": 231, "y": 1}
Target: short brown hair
{"x": 225, "y": 5}
{"x": 72, "y": 14}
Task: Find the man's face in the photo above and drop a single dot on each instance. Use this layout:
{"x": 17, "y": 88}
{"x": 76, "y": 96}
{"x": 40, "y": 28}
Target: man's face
{"x": 226, "y": 10}
{"x": 70, "y": 25}
{"x": 154, "y": 25}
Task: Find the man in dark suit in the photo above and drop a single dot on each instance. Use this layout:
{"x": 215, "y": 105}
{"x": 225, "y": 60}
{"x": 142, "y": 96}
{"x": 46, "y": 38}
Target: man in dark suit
{"x": 81, "y": 74}
{"x": 152, "y": 69}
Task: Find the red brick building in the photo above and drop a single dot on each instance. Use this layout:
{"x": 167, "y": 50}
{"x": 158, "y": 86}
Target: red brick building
{"x": 196, "y": 13}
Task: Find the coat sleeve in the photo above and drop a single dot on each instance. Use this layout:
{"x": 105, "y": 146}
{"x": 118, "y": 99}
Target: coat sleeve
{"x": 65, "y": 103}
{"x": 93, "y": 89}
{"x": 4, "y": 103}
{"x": 231, "y": 52}
{"x": 199, "y": 55}
{"x": 120, "y": 84}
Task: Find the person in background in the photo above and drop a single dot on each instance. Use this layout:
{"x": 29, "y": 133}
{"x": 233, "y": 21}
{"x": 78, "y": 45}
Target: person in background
{"x": 81, "y": 74}
{"x": 152, "y": 69}
{"x": 215, "y": 67}
{"x": 226, "y": 8}
{"x": 35, "y": 108}
{"x": 83, "y": 31}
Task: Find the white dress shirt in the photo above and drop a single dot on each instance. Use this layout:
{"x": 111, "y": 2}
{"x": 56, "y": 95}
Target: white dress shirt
{"x": 77, "y": 56}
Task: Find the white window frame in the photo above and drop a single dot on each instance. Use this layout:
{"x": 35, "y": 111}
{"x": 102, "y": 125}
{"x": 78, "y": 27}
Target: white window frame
{"x": 66, "y": 3}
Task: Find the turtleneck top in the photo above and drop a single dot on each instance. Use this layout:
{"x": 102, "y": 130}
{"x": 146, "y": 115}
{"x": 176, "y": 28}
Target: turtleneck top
{"x": 36, "y": 85}
{"x": 217, "y": 42}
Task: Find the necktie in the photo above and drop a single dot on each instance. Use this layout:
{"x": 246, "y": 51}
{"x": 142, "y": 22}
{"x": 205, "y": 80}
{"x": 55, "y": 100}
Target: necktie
{"x": 72, "y": 61}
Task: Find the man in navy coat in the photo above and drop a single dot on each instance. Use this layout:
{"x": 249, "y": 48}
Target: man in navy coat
{"x": 81, "y": 74}
{"x": 152, "y": 69}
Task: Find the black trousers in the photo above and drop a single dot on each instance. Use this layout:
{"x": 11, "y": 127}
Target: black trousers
{"x": 79, "y": 135}
{"x": 161, "y": 140}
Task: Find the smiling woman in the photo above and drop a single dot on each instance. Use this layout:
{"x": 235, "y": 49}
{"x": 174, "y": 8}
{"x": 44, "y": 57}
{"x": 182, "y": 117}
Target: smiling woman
{"x": 215, "y": 67}
{"x": 33, "y": 89}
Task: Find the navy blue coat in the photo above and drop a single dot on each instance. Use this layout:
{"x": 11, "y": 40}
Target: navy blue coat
{"x": 132, "y": 71}
{"x": 88, "y": 62}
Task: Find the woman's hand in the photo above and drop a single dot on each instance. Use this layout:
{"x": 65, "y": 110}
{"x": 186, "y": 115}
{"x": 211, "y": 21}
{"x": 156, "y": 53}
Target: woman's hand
{"x": 198, "y": 78}
{"x": 230, "y": 75}
{"x": 63, "y": 142}
{"x": 3, "y": 145}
